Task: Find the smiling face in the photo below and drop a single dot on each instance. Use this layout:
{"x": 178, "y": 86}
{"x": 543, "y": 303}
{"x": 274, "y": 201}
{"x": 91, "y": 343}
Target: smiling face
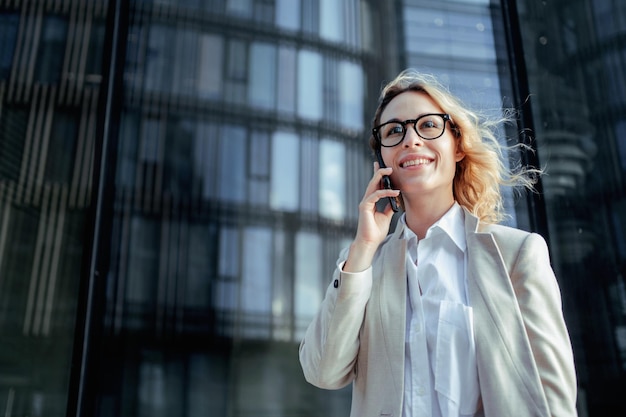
{"x": 421, "y": 168}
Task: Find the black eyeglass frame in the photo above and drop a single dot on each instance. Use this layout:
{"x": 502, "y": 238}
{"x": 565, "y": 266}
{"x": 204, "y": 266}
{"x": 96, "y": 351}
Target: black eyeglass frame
{"x": 376, "y": 130}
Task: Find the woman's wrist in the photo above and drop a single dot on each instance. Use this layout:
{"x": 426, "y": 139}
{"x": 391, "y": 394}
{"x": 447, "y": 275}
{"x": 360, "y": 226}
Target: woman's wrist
{"x": 360, "y": 256}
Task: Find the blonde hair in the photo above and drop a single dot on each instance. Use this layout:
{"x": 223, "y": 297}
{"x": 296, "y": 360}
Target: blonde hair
{"x": 481, "y": 173}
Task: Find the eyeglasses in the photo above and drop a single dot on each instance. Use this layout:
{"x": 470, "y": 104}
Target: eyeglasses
{"x": 428, "y": 126}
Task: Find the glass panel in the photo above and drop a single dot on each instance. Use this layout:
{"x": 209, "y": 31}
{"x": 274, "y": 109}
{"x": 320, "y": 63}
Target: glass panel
{"x": 95, "y": 55}
{"x": 332, "y": 179}
{"x": 62, "y": 147}
{"x": 232, "y": 173}
{"x": 8, "y": 35}
{"x": 135, "y": 56}
{"x": 257, "y": 270}
{"x": 236, "y": 72}
{"x": 205, "y": 159}
{"x": 282, "y": 286}
{"x": 256, "y": 283}
{"x": 285, "y": 162}
{"x": 259, "y": 157}
{"x": 211, "y": 50}
{"x": 310, "y": 17}
{"x": 51, "y": 50}
{"x": 143, "y": 265}
{"x": 309, "y": 285}
{"x": 288, "y": 14}
{"x": 226, "y": 293}
{"x": 158, "y": 59}
{"x": 287, "y": 74}
{"x": 309, "y": 174}
{"x": 242, "y": 8}
{"x": 201, "y": 265}
{"x": 178, "y": 150}
{"x": 310, "y": 85}
{"x": 40, "y": 258}
{"x": 13, "y": 126}
{"x": 580, "y": 138}
{"x": 351, "y": 97}
{"x": 262, "y": 76}
{"x": 448, "y": 33}
{"x": 185, "y": 50}
{"x": 332, "y": 20}
{"x": 127, "y": 154}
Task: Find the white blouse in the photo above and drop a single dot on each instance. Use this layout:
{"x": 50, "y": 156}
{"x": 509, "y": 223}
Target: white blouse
{"x": 439, "y": 330}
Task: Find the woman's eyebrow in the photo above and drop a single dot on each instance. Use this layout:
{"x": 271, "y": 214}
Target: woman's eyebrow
{"x": 395, "y": 119}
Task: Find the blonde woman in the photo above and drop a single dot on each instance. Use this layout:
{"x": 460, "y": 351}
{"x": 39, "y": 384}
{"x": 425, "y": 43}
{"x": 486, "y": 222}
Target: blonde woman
{"x": 451, "y": 314}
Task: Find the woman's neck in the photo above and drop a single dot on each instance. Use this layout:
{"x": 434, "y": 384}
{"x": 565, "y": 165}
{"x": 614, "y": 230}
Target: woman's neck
{"x": 422, "y": 214}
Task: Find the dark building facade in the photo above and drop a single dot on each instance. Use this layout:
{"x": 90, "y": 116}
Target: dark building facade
{"x": 177, "y": 178}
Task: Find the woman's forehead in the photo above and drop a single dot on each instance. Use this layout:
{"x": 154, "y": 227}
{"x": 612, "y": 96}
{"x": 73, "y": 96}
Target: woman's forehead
{"x": 409, "y": 105}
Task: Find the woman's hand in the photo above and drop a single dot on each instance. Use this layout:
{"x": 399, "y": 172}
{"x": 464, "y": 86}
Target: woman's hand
{"x": 373, "y": 225}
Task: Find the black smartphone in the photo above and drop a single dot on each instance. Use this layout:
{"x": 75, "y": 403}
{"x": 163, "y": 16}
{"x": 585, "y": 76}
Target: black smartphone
{"x": 386, "y": 181}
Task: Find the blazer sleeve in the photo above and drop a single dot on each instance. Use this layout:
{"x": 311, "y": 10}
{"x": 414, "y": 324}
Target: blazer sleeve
{"x": 328, "y": 352}
{"x": 539, "y": 300}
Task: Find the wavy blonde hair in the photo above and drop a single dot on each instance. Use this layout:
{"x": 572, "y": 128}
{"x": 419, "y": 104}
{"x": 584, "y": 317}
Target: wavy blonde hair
{"x": 481, "y": 173}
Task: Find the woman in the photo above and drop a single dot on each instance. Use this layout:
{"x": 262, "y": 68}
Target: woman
{"x": 451, "y": 314}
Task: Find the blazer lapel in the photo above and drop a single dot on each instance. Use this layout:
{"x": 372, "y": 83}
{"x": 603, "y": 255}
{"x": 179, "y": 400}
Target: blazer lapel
{"x": 502, "y": 349}
{"x": 392, "y": 303}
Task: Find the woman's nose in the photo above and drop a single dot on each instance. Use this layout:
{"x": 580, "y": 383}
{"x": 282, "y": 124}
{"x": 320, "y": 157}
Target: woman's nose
{"x": 411, "y": 137}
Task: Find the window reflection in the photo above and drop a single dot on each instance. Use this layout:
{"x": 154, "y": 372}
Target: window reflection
{"x": 158, "y": 58}
{"x": 351, "y": 95}
{"x": 143, "y": 267}
{"x": 62, "y": 147}
{"x": 256, "y": 282}
{"x": 288, "y": 14}
{"x": 309, "y": 174}
{"x": 206, "y": 158}
{"x": 332, "y": 179}
{"x": 51, "y": 49}
{"x": 236, "y": 72}
{"x": 13, "y": 127}
{"x": 199, "y": 263}
{"x": 309, "y": 85}
{"x": 308, "y": 281}
{"x": 184, "y": 77}
{"x": 8, "y": 36}
{"x": 287, "y": 76}
{"x": 331, "y": 20}
{"x": 210, "y": 53}
{"x": 259, "y": 165}
{"x": 285, "y": 163}
{"x": 233, "y": 168}
{"x": 226, "y": 291}
{"x": 262, "y": 76}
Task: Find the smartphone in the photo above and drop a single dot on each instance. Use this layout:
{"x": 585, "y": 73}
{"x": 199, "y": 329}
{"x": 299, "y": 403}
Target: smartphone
{"x": 387, "y": 181}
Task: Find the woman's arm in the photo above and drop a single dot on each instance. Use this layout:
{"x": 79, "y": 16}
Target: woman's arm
{"x": 330, "y": 346}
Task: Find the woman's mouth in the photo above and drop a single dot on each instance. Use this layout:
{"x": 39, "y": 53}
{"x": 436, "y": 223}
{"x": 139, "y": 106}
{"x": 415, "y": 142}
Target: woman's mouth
{"x": 415, "y": 162}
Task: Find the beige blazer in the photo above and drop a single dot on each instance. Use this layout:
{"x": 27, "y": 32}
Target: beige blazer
{"x": 524, "y": 356}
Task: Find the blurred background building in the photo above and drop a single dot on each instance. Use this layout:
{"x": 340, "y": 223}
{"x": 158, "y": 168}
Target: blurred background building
{"x": 177, "y": 178}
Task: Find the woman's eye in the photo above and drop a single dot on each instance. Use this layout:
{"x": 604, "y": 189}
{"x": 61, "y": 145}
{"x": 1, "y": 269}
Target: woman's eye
{"x": 428, "y": 124}
{"x": 394, "y": 130}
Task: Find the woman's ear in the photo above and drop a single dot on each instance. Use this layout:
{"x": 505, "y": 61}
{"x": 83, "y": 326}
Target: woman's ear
{"x": 459, "y": 154}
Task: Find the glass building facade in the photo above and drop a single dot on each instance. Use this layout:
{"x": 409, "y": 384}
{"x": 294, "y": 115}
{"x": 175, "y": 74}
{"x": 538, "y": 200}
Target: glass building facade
{"x": 177, "y": 178}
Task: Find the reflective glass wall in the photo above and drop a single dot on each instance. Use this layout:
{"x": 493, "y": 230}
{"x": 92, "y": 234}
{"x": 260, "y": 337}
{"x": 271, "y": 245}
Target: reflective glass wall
{"x": 50, "y": 63}
{"x": 178, "y": 176}
{"x": 575, "y": 55}
{"x": 237, "y": 170}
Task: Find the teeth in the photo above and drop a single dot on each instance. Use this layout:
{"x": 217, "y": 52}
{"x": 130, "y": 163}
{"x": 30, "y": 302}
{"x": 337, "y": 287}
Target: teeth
{"x": 415, "y": 162}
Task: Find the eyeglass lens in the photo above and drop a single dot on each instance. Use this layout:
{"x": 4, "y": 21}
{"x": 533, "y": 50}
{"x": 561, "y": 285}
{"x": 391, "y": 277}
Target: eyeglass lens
{"x": 429, "y": 126}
